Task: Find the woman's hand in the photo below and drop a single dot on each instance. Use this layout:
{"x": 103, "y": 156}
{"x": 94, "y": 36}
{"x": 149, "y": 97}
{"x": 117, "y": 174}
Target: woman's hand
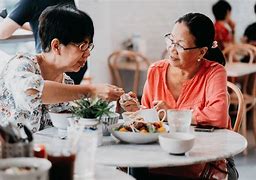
{"x": 129, "y": 102}
{"x": 107, "y": 91}
{"x": 159, "y": 104}
{"x": 231, "y": 24}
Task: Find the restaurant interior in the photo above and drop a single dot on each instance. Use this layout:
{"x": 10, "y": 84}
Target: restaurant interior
{"x": 130, "y": 36}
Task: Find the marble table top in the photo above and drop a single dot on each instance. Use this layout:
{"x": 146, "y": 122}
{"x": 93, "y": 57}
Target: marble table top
{"x": 103, "y": 173}
{"x": 240, "y": 69}
{"x": 208, "y": 147}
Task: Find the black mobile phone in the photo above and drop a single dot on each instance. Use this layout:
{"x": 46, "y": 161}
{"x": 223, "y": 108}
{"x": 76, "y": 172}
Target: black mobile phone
{"x": 204, "y": 128}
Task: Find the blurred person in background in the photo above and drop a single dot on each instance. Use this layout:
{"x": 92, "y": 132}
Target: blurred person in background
{"x": 30, "y": 85}
{"x": 250, "y": 32}
{"x": 224, "y": 25}
{"x": 25, "y": 15}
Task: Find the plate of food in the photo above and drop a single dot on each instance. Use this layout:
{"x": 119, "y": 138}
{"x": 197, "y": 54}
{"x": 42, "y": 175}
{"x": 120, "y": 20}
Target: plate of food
{"x": 137, "y": 131}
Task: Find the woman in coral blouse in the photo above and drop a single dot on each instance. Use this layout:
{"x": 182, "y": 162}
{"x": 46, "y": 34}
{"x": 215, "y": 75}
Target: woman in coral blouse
{"x": 193, "y": 77}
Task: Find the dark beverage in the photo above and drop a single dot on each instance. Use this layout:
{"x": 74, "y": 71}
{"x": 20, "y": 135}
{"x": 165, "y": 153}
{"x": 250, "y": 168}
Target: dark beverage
{"x": 62, "y": 167}
{"x": 39, "y": 151}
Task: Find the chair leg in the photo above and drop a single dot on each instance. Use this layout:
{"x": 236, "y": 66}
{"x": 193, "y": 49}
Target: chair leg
{"x": 254, "y": 122}
{"x": 244, "y": 130}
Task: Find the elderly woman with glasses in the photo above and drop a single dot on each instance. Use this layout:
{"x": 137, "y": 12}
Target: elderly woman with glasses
{"x": 193, "y": 77}
{"x": 30, "y": 85}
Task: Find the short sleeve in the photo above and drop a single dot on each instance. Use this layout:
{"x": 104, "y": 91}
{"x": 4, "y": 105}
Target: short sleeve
{"x": 62, "y": 106}
{"x": 22, "y": 75}
{"x": 22, "y": 11}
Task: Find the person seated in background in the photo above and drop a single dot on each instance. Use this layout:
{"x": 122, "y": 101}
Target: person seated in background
{"x": 193, "y": 77}
{"x": 30, "y": 85}
{"x": 224, "y": 25}
{"x": 25, "y": 15}
{"x": 250, "y": 33}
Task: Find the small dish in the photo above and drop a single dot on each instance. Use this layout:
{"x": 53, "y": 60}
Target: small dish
{"x": 176, "y": 143}
{"x": 59, "y": 119}
{"x": 108, "y": 120}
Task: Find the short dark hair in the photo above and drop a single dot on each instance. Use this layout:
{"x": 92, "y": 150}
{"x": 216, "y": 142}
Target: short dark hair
{"x": 202, "y": 28}
{"x": 66, "y": 23}
{"x": 220, "y": 9}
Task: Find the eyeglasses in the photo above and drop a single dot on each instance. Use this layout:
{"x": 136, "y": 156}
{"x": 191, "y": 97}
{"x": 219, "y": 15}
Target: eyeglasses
{"x": 170, "y": 43}
{"x": 84, "y": 46}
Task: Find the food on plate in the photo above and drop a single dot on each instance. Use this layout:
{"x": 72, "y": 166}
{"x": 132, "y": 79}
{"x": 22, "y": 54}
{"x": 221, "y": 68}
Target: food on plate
{"x": 18, "y": 170}
{"x": 141, "y": 126}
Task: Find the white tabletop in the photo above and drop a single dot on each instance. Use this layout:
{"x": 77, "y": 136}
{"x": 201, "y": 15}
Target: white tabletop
{"x": 103, "y": 173}
{"x": 208, "y": 147}
{"x": 20, "y": 35}
{"x": 239, "y": 69}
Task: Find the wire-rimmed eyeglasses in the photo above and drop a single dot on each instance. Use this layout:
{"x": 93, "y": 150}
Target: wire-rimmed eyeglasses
{"x": 170, "y": 43}
{"x": 84, "y": 46}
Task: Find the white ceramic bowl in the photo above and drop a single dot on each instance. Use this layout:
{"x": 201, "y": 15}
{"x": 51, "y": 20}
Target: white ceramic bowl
{"x": 177, "y": 142}
{"x": 108, "y": 120}
{"x": 43, "y": 166}
{"x": 59, "y": 120}
{"x": 133, "y": 137}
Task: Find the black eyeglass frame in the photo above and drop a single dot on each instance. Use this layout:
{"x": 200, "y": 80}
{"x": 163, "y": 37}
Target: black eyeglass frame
{"x": 167, "y": 36}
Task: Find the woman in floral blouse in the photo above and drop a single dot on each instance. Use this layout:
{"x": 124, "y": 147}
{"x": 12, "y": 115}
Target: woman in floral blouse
{"x": 30, "y": 85}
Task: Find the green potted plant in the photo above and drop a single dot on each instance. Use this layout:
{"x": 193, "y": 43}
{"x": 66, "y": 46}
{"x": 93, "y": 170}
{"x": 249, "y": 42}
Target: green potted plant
{"x": 97, "y": 110}
{"x": 89, "y": 108}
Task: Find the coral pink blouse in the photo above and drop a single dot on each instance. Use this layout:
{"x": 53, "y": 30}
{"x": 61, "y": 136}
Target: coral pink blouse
{"x": 205, "y": 94}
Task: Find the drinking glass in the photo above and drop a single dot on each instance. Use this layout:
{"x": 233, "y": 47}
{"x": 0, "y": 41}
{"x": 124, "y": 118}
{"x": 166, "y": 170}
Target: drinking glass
{"x": 62, "y": 155}
{"x": 179, "y": 120}
{"x": 85, "y": 161}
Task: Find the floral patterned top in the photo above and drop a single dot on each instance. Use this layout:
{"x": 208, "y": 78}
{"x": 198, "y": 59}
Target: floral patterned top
{"x": 22, "y": 72}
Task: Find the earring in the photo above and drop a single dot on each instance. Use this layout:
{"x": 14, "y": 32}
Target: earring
{"x": 198, "y": 59}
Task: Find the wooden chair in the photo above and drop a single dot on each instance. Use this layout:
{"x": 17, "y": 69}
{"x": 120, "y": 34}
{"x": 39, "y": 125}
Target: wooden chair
{"x": 241, "y": 105}
{"x": 127, "y": 60}
{"x": 233, "y": 54}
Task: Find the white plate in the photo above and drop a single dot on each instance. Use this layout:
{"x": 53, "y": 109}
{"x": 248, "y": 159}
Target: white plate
{"x": 41, "y": 173}
{"x": 132, "y": 137}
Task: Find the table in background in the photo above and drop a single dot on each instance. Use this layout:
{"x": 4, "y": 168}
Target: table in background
{"x": 20, "y": 35}
{"x": 240, "y": 69}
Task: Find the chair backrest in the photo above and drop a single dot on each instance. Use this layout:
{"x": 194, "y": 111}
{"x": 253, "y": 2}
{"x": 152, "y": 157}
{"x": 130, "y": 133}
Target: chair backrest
{"x": 127, "y": 60}
{"x": 246, "y": 53}
{"x": 240, "y": 109}
{"x": 236, "y": 52}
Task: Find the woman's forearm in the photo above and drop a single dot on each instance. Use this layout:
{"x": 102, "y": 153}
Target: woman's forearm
{"x": 54, "y": 92}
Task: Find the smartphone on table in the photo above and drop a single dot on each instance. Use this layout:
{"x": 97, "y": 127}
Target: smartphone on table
{"x": 200, "y": 128}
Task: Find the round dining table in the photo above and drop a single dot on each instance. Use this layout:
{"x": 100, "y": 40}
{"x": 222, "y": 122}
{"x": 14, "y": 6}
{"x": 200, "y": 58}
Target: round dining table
{"x": 101, "y": 172}
{"x": 208, "y": 146}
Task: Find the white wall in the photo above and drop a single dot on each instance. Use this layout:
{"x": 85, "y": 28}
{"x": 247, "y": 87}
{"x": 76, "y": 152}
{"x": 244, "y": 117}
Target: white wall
{"x": 116, "y": 20}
